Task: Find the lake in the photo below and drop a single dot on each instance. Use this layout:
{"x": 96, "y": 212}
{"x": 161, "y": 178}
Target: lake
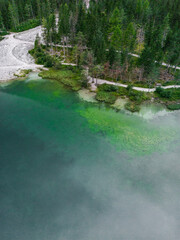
{"x": 75, "y": 170}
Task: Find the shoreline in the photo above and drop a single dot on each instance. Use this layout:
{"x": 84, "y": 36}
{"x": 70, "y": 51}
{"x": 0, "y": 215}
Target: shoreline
{"x": 16, "y": 63}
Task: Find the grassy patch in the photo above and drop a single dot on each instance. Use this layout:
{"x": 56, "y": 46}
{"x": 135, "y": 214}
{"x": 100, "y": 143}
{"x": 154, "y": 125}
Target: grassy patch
{"x": 67, "y": 77}
{"x": 23, "y": 73}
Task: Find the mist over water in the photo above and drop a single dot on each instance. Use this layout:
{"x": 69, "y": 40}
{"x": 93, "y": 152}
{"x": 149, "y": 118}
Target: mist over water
{"x": 77, "y": 170}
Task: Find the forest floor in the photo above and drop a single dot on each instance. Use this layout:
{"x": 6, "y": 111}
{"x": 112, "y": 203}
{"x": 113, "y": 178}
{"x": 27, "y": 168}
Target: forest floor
{"x": 14, "y": 56}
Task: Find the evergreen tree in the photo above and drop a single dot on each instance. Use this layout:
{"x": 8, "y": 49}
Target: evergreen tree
{"x": 1, "y": 22}
{"x": 111, "y": 55}
{"x": 99, "y": 47}
{"x": 116, "y": 38}
{"x": 13, "y": 15}
{"x": 115, "y": 20}
{"x": 39, "y": 9}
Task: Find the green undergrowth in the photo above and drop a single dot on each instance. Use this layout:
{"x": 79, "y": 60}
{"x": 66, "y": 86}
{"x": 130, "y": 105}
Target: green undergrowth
{"x": 29, "y": 24}
{"x": 2, "y": 34}
{"x": 41, "y": 56}
{"x": 109, "y": 93}
{"x": 166, "y": 95}
{"x": 169, "y": 83}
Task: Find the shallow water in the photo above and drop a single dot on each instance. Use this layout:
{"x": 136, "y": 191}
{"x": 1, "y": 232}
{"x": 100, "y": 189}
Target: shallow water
{"x": 77, "y": 170}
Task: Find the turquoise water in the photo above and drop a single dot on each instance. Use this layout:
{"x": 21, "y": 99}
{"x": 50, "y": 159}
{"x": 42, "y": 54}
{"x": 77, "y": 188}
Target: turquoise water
{"x": 73, "y": 170}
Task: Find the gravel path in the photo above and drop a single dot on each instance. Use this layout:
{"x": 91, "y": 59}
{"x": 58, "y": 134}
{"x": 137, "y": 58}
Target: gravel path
{"x": 14, "y": 54}
{"x": 94, "y": 81}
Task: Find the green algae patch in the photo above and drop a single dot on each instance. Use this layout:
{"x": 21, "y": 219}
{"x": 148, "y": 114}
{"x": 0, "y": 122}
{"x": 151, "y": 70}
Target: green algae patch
{"x": 128, "y": 132}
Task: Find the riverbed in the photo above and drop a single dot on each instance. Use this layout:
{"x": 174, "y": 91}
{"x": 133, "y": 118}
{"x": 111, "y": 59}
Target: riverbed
{"x": 74, "y": 169}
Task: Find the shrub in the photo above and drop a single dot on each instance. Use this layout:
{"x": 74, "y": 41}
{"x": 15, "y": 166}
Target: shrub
{"x": 132, "y": 107}
{"x": 57, "y": 65}
{"x": 107, "y": 88}
{"x": 164, "y": 93}
{"x": 106, "y": 97}
{"x": 137, "y": 96}
{"x": 48, "y": 61}
{"x": 173, "y": 106}
{"x": 122, "y": 91}
{"x": 159, "y": 90}
{"x": 129, "y": 87}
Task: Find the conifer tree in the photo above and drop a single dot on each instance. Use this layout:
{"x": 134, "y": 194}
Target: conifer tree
{"x": 116, "y": 37}
{"x": 13, "y": 14}
{"x": 1, "y": 22}
{"x": 99, "y": 47}
{"x": 39, "y": 9}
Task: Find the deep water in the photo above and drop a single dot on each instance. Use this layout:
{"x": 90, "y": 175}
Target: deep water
{"x": 73, "y": 170}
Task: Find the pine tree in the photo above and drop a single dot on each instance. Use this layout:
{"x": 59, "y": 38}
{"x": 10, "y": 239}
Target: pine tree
{"x": 115, "y": 20}
{"x": 112, "y": 55}
{"x": 52, "y": 27}
{"x": 45, "y": 31}
{"x": 64, "y": 25}
{"x": 39, "y": 9}
{"x": 13, "y": 15}
{"x": 116, "y": 38}
{"x": 129, "y": 38}
{"x": 1, "y": 22}
{"x": 99, "y": 47}
{"x": 28, "y": 10}
{"x": 48, "y": 8}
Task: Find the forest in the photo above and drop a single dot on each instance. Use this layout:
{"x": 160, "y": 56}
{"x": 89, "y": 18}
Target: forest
{"x": 105, "y": 35}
